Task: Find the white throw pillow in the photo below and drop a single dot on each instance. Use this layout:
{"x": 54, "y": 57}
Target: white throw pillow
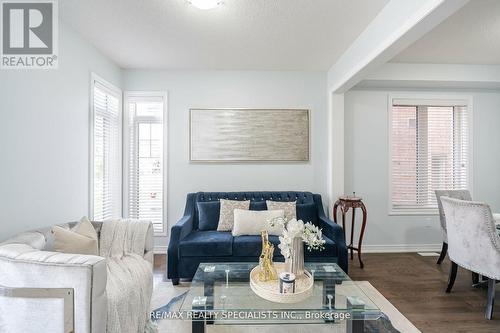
{"x": 81, "y": 239}
{"x": 252, "y": 222}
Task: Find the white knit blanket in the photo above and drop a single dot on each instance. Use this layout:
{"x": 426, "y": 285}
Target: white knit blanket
{"x": 130, "y": 277}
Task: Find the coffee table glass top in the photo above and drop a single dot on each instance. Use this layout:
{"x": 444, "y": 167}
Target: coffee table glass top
{"x": 224, "y": 288}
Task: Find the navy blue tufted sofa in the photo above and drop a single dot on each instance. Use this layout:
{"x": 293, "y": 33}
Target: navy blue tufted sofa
{"x": 190, "y": 246}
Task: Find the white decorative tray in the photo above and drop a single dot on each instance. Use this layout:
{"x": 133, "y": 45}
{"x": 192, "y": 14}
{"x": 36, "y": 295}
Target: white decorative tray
{"x": 269, "y": 290}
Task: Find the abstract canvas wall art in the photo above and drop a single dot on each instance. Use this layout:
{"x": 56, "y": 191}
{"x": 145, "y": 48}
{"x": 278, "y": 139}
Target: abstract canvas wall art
{"x": 239, "y": 135}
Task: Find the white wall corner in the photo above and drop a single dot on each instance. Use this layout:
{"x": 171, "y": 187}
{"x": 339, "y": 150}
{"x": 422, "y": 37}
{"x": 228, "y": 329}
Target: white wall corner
{"x": 335, "y": 175}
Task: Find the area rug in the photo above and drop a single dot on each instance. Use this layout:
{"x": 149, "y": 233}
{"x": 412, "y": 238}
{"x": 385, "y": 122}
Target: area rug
{"x": 167, "y": 297}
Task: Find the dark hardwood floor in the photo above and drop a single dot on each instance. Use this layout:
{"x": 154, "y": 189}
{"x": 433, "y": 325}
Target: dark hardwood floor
{"x": 160, "y": 268}
{"x": 415, "y": 285}
{"x": 160, "y": 264}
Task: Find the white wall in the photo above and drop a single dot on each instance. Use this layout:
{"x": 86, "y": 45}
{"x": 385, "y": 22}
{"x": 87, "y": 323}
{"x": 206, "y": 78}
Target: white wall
{"x": 366, "y": 167}
{"x": 44, "y": 135}
{"x": 211, "y": 89}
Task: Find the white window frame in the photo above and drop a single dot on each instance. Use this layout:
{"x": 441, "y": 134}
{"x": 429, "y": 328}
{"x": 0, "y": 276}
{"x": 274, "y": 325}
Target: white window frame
{"x": 429, "y": 99}
{"x": 126, "y": 145}
{"x": 94, "y": 78}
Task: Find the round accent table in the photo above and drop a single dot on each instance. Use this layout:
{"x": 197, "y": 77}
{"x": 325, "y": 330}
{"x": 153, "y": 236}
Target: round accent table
{"x": 346, "y": 203}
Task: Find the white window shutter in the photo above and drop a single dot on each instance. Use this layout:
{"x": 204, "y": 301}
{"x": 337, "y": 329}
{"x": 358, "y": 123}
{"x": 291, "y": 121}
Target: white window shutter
{"x": 145, "y": 195}
{"x": 429, "y": 151}
{"x": 106, "y": 173}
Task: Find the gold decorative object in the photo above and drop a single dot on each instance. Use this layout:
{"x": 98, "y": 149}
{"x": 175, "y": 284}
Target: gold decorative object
{"x": 267, "y": 271}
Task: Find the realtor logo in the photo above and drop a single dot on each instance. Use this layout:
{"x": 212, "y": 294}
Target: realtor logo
{"x": 29, "y": 34}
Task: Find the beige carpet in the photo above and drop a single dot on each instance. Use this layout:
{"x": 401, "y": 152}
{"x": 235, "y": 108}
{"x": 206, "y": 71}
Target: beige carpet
{"x": 165, "y": 291}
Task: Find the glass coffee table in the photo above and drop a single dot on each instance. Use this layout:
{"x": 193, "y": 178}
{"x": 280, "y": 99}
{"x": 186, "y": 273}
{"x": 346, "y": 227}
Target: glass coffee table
{"x": 220, "y": 294}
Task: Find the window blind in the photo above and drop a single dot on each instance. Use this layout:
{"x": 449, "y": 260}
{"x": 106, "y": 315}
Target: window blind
{"x": 145, "y": 195}
{"x": 106, "y": 189}
{"x": 429, "y": 151}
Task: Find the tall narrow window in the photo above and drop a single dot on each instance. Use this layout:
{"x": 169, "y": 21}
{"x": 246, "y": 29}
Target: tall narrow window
{"x": 145, "y": 195}
{"x": 106, "y": 151}
{"x": 429, "y": 151}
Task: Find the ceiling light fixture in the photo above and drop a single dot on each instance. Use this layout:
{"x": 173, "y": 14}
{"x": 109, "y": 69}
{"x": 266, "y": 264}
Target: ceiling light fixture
{"x": 205, "y": 4}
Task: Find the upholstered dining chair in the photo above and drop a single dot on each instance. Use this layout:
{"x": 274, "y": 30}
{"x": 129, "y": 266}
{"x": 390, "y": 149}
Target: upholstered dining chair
{"x": 473, "y": 243}
{"x": 457, "y": 194}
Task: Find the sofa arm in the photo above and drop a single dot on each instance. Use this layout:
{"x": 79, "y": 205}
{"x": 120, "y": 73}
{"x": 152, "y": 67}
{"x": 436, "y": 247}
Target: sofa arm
{"x": 146, "y": 243}
{"x": 141, "y": 234}
{"x": 25, "y": 267}
{"x": 335, "y": 233}
{"x": 66, "y": 294}
{"x": 179, "y": 231}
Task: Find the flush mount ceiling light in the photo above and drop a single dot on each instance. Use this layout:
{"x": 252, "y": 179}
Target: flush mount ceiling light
{"x": 205, "y": 4}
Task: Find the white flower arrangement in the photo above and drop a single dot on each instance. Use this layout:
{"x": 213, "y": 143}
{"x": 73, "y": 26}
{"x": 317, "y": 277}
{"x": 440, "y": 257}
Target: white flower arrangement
{"x": 310, "y": 234}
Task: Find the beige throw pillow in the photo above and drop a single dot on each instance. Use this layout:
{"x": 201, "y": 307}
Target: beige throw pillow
{"x": 290, "y": 208}
{"x": 252, "y": 222}
{"x": 81, "y": 239}
{"x": 226, "y": 216}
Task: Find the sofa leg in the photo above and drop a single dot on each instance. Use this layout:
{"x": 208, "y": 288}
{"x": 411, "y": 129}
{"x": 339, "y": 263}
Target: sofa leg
{"x": 175, "y": 282}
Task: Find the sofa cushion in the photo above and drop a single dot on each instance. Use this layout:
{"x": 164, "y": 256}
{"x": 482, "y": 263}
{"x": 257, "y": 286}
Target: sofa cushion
{"x": 251, "y": 246}
{"x": 307, "y": 213}
{"x": 258, "y": 205}
{"x": 206, "y": 244}
{"x": 330, "y": 250}
{"x": 208, "y": 215}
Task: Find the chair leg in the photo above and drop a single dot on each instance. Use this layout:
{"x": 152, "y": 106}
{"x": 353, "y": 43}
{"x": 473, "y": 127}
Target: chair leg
{"x": 490, "y": 299}
{"x": 444, "y": 249}
{"x": 475, "y": 278}
{"x": 175, "y": 282}
{"x": 482, "y": 281}
{"x": 453, "y": 275}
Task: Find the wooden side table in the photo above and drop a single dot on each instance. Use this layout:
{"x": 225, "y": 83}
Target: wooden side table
{"x": 345, "y": 204}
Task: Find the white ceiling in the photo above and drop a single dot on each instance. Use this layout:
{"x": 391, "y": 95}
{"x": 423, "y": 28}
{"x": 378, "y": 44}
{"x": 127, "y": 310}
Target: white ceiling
{"x": 241, "y": 34}
{"x": 470, "y": 36}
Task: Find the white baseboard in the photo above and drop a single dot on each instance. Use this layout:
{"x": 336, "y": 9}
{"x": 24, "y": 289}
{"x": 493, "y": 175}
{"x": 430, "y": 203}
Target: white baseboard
{"x": 401, "y": 248}
{"x": 160, "y": 249}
